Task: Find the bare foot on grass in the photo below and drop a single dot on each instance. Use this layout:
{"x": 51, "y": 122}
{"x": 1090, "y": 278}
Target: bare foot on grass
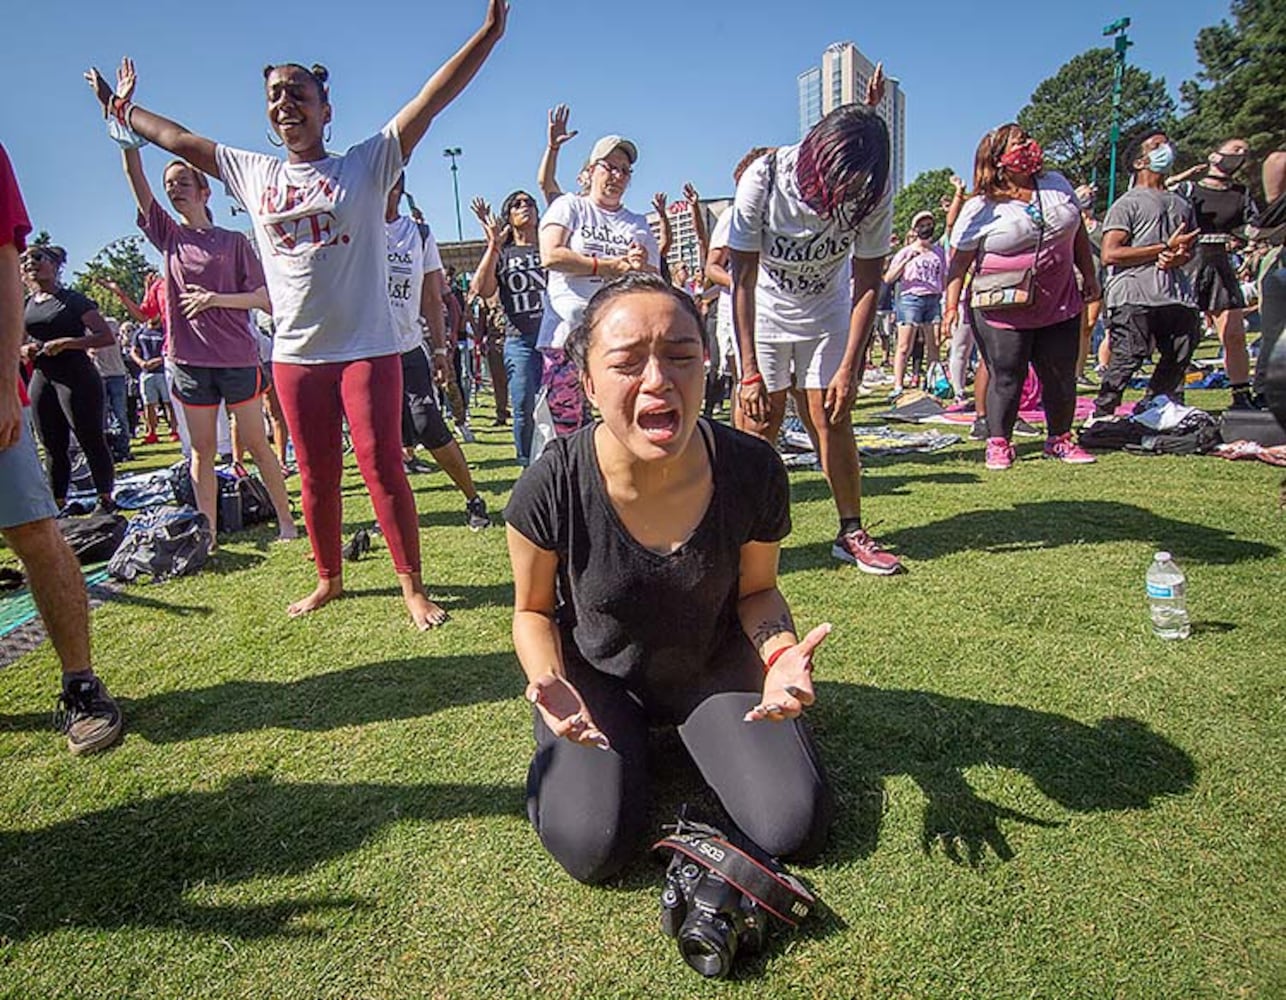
{"x": 287, "y": 532}
{"x": 424, "y": 613}
{"x": 327, "y": 591}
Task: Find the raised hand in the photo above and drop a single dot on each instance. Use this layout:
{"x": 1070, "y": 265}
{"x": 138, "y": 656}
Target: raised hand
{"x": 690, "y": 193}
{"x": 497, "y": 15}
{"x": 875, "y": 87}
{"x": 558, "y": 133}
{"x": 564, "y": 712}
{"x": 659, "y": 201}
{"x": 126, "y": 80}
{"x": 495, "y": 230}
{"x": 101, "y": 88}
{"x": 788, "y": 685}
{"x": 481, "y": 210}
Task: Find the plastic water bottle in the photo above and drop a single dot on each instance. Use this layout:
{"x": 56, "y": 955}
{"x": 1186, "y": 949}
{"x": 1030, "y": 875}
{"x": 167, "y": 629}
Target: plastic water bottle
{"x": 1167, "y": 598}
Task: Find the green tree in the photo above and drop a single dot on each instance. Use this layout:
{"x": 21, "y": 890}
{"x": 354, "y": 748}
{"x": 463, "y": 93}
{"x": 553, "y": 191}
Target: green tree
{"x": 122, "y": 262}
{"x": 924, "y": 194}
{"x": 1240, "y": 90}
{"x": 1070, "y": 115}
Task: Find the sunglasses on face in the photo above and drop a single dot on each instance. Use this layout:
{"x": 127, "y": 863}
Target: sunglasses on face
{"x": 615, "y": 171}
{"x": 521, "y": 203}
{"x": 38, "y": 256}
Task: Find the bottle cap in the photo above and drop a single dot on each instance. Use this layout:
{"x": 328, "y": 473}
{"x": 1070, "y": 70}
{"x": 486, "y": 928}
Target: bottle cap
{"x": 1163, "y": 557}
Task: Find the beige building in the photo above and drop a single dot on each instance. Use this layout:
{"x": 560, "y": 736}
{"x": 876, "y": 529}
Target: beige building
{"x": 842, "y": 79}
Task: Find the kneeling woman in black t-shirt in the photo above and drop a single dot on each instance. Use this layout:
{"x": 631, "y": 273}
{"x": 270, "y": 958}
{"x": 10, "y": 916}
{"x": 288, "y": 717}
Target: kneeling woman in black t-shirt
{"x": 644, "y": 552}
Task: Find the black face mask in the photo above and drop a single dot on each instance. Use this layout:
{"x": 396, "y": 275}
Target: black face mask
{"x": 924, "y": 232}
{"x": 1230, "y": 163}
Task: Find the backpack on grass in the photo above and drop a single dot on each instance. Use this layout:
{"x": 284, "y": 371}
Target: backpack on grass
{"x": 162, "y": 543}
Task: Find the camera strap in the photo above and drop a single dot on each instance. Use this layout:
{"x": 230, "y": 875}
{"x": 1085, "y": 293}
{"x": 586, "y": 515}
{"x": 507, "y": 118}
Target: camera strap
{"x": 768, "y": 884}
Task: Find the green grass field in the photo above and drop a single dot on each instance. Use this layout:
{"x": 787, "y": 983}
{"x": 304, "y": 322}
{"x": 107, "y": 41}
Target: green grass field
{"x": 1037, "y": 798}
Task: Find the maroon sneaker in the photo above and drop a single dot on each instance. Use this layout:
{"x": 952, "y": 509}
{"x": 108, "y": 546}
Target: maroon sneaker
{"x": 864, "y": 552}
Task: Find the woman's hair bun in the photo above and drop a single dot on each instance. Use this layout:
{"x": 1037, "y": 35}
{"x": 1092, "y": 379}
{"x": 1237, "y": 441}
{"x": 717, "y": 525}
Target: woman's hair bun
{"x": 321, "y": 72}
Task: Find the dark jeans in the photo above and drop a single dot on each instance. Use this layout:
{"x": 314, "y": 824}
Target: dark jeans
{"x": 523, "y": 365}
{"x": 1051, "y": 350}
{"x": 1135, "y": 331}
{"x": 590, "y": 806}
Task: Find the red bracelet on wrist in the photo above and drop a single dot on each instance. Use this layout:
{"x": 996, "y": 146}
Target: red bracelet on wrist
{"x": 754, "y": 379}
{"x": 594, "y": 270}
{"x": 774, "y": 657}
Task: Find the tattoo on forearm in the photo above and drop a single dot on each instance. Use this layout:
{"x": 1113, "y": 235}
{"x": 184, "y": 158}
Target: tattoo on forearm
{"x": 767, "y": 629}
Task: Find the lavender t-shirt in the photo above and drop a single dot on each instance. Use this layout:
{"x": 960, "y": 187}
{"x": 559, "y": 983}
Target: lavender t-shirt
{"x": 1007, "y": 233}
{"x": 218, "y": 260}
{"x": 925, "y": 270}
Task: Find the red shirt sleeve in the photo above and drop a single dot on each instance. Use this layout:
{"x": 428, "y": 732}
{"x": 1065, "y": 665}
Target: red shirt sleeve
{"x": 153, "y": 304}
{"x": 14, "y": 225}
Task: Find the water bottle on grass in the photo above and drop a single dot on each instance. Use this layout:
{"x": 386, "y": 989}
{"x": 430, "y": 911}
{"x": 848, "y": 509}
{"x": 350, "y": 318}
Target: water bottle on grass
{"x": 1167, "y": 598}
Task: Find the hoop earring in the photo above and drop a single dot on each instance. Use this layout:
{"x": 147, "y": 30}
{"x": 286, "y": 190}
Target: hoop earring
{"x": 274, "y": 140}
{"x": 326, "y": 134}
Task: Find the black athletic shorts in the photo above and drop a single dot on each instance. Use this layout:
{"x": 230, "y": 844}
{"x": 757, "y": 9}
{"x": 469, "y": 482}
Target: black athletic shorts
{"x": 198, "y": 385}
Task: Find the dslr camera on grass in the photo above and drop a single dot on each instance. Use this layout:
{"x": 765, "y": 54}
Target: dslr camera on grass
{"x": 721, "y": 895}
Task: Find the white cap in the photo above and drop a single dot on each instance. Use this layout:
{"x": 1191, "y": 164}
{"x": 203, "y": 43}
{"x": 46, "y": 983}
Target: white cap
{"x": 1163, "y": 557}
{"x": 603, "y": 148}
{"x": 921, "y": 215}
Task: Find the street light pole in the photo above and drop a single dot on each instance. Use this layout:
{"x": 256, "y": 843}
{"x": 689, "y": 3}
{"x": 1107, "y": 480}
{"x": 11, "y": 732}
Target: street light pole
{"x": 1122, "y": 43}
{"x": 452, "y": 152}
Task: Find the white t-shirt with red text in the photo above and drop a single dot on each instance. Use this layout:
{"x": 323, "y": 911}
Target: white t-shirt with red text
{"x": 804, "y": 289}
{"x": 320, "y": 230}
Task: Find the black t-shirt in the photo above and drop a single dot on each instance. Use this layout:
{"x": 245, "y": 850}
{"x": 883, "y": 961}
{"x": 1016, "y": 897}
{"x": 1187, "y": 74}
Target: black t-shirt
{"x": 521, "y": 282}
{"x": 56, "y": 317}
{"x": 650, "y": 619}
{"x": 1219, "y": 211}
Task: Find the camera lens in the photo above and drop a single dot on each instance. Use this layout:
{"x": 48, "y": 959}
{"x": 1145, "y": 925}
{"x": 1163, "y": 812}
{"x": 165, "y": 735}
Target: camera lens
{"x": 708, "y": 948}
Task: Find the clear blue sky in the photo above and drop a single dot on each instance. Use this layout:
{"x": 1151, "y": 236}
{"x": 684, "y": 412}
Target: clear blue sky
{"x": 694, "y": 84}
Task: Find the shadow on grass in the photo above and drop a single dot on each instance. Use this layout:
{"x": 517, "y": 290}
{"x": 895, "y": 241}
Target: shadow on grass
{"x": 1049, "y": 524}
{"x": 869, "y": 734}
{"x": 807, "y": 490}
{"x": 136, "y": 865}
{"x": 371, "y": 693}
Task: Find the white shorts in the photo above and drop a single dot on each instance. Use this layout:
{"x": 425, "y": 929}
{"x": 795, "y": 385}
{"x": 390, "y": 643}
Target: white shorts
{"x": 804, "y": 364}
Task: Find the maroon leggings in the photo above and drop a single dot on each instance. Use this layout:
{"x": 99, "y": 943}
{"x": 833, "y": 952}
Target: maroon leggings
{"x": 315, "y": 399}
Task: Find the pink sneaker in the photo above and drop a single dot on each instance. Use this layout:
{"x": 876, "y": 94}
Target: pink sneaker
{"x": 864, "y": 552}
{"x": 1000, "y": 454}
{"x": 1065, "y": 450}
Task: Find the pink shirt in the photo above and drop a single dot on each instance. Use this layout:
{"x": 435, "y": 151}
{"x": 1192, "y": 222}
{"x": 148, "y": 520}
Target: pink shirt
{"x": 218, "y": 260}
{"x": 925, "y": 270}
{"x": 1007, "y": 233}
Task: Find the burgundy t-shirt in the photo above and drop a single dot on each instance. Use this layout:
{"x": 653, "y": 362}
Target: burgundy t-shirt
{"x": 218, "y": 260}
{"x": 14, "y": 224}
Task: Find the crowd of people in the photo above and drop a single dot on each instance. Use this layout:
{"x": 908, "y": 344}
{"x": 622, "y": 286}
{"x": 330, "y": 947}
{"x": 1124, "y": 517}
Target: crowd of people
{"x": 638, "y": 517}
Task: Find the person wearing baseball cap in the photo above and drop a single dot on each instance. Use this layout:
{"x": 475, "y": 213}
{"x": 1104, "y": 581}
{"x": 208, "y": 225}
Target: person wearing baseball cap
{"x": 921, "y": 267}
{"x": 586, "y": 240}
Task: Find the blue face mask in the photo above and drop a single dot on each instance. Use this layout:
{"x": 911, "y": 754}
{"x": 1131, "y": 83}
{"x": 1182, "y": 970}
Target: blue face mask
{"x": 1161, "y": 159}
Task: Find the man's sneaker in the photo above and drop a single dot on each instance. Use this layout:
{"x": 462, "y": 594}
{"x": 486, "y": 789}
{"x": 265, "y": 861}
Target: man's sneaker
{"x": 864, "y": 552}
{"x": 1000, "y": 454}
{"x": 416, "y": 465}
{"x": 979, "y": 431}
{"x": 1066, "y": 450}
{"x": 475, "y": 514}
{"x": 88, "y": 716}
{"x": 466, "y": 432}
{"x": 1022, "y": 427}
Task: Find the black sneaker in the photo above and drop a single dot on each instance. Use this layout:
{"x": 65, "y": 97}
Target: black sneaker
{"x": 417, "y": 465}
{"x": 1022, "y": 427}
{"x": 979, "y": 430}
{"x": 475, "y": 514}
{"x": 357, "y": 546}
{"x": 88, "y": 716}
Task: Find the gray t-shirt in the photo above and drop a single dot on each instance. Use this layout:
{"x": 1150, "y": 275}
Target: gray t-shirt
{"x": 1147, "y": 217}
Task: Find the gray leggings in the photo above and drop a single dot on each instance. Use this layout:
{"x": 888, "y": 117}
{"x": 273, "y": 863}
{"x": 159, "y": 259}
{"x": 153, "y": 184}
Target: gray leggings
{"x": 1051, "y": 350}
{"x": 590, "y": 806}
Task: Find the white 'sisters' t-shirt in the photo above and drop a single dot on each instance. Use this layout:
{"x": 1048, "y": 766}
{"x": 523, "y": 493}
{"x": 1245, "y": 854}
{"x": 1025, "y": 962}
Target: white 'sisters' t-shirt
{"x": 320, "y": 230}
{"x": 595, "y": 232}
{"x": 410, "y": 257}
{"x": 804, "y": 289}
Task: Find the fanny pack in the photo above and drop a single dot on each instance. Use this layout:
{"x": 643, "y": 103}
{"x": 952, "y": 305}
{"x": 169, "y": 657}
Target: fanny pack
{"x": 1015, "y": 289}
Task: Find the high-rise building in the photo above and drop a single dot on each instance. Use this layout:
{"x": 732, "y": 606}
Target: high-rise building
{"x": 842, "y": 79}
